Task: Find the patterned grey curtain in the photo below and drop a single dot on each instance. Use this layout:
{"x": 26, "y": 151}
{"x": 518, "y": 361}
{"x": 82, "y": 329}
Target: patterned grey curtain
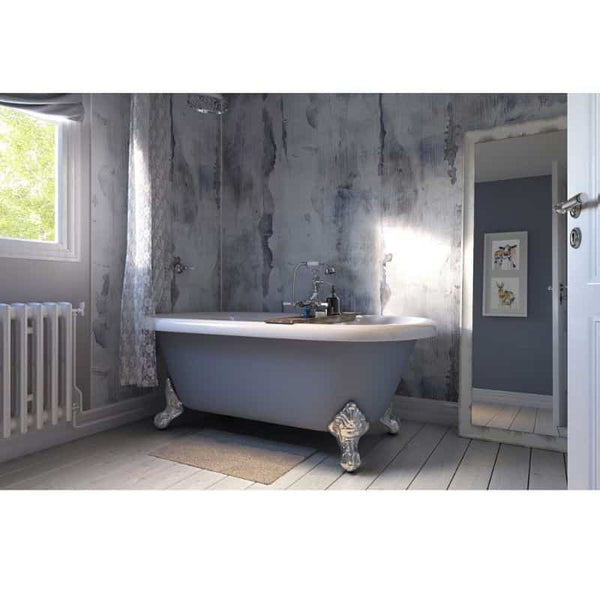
{"x": 147, "y": 279}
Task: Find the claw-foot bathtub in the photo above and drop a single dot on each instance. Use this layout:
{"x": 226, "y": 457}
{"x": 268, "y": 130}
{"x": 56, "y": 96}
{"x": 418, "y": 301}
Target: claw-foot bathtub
{"x": 321, "y": 376}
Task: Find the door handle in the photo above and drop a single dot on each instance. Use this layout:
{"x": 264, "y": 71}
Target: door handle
{"x": 572, "y": 205}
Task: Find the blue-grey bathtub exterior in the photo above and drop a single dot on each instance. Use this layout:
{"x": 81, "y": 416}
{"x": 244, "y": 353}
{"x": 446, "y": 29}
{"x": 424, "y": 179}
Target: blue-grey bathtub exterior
{"x": 288, "y": 382}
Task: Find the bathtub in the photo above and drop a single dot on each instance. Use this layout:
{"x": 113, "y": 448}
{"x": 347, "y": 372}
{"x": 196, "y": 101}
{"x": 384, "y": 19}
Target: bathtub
{"x": 325, "y": 377}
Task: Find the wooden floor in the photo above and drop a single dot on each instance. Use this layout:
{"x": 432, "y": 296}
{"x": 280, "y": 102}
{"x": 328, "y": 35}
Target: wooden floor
{"x": 421, "y": 456}
{"x": 515, "y": 418}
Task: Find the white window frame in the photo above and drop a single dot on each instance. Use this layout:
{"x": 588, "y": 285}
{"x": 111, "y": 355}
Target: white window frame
{"x": 67, "y": 247}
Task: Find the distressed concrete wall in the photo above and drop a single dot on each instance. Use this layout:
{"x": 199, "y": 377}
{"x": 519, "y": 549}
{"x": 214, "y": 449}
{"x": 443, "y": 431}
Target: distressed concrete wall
{"x": 343, "y": 178}
{"x": 348, "y": 179}
{"x": 194, "y": 195}
{"x": 110, "y": 142}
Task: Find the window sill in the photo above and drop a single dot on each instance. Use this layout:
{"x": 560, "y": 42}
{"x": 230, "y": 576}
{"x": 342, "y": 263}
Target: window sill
{"x": 31, "y": 250}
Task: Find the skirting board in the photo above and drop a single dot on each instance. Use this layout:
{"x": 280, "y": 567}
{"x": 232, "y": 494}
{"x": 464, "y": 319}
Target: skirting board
{"x": 426, "y": 411}
{"x": 88, "y": 423}
{"x": 511, "y": 398}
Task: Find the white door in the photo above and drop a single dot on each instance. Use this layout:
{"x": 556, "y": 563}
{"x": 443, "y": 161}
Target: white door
{"x": 559, "y": 298}
{"x": 584, "y": 294}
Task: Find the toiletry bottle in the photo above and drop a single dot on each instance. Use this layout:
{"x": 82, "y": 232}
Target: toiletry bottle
{"x": 333, "y": 303}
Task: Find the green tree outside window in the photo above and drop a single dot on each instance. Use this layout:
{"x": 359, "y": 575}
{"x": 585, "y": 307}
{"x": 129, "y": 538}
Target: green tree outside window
{"x": 27, "y": 176}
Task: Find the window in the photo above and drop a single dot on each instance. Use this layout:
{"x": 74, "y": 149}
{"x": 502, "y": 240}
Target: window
{"x": 38, "y": 211}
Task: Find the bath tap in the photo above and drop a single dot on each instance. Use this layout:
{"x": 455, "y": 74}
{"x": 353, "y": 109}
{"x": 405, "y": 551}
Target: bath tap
{"x": 317, "y": 282}
{"x": 313, "y": 303}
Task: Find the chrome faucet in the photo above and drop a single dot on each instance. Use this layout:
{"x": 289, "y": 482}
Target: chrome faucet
{"x": 313, "y": 304}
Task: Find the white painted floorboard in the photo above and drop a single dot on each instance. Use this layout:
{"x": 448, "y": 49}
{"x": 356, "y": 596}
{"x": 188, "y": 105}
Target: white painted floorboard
{"x": 400, "y": 473}
{"x": 379, "y": 458}
{"x": 321, "y": 477}
{"x": 482, "y": 414}
{"x": 475, "y": 469}
{"x": 547, "y": 471}
{"x": 438, "y": 471}
{"x": 504, "y": 418}
{"x": 512, "y": 468}
{"x": 421, "y": 456}
{"x": 87, "y": 473}
{"x": 525, "y": 419}
{"x": 513, "y": 418}
{"x": 84, "y": 465}
{"x": 158, "y": 476}
{"x": 200, "y": 480}
{"x": 231, "y": 483}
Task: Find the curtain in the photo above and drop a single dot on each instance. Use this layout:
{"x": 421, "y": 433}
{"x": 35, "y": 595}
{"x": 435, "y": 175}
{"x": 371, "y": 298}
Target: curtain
{"x": 68, "y": 106}
{"x": 147, "y": 278}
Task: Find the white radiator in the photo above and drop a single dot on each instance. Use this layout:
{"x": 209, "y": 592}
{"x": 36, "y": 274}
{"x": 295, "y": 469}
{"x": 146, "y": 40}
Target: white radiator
{"x": 37, "y": 366}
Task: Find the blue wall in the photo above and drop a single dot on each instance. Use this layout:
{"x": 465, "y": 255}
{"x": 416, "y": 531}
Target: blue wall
{"x": 515, "y": 354}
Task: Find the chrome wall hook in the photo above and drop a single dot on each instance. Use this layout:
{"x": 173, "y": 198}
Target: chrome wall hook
{"x": 179, "y": 267}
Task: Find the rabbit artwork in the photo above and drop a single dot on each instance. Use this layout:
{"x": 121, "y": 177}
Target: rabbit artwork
{"x": 506, "y": 296}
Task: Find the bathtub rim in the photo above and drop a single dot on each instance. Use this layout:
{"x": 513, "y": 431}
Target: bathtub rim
{"x": 250, "y": 324}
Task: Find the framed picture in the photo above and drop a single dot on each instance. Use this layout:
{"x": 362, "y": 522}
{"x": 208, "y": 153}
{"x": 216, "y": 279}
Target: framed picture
{"x": 505, "y": 274}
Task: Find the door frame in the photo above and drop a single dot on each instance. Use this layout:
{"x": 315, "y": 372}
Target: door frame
{"x": 559, "y": 297}
{"x": 465, "y": 427}
{"x": 583, "y": 320}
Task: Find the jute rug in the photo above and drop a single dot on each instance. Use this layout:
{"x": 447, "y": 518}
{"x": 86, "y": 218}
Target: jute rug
{"x": 250, "y": 458}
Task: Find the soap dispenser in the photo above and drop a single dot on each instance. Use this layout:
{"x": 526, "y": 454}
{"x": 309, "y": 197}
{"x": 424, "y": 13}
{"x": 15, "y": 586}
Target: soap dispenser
{"x": 333, "y": 303}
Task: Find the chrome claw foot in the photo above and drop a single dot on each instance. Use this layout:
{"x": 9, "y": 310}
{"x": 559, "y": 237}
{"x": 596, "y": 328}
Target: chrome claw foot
{"x": 390, "y": 421}
{"x": 348, "y": 426}
{"x": 173, "y": 409}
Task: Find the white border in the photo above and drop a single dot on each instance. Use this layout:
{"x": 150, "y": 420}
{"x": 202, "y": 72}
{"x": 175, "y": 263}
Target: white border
{"x": 366, "y": 328}
{"x": 465, "y": 427}
{"x": 583, "y": 345}
{"x": 488, "y": 239}
{"x": 71, "y": 164}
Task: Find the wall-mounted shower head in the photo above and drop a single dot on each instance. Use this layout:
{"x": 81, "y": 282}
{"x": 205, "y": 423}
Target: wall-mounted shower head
{"x": 214, "y": 104}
